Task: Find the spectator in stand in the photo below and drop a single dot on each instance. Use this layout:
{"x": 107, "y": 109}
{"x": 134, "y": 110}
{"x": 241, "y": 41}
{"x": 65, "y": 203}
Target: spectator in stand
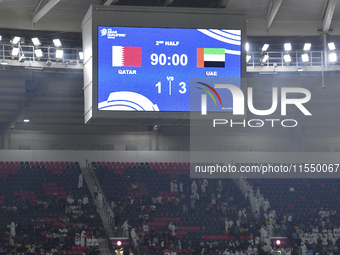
{"x": 80, "y": 181}
{"x": 12, "y": 232}
{"x": 100, "y": 200}
{"x": 175, "y": 186}
{"x": 181, "y": 187}
{"x": 172, "y": 187}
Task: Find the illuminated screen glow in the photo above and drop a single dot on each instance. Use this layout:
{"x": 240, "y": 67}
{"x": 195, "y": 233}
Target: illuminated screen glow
{"x": 149, "y": 69}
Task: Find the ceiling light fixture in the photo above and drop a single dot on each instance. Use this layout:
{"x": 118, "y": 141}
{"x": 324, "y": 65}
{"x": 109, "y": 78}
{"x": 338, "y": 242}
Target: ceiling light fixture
{"x": 15, "y": 51}
{"x": 57, "y": 42}
{"x": 288, "y": 46}
{"x": 59, "y": 53}
{"x": 265, "y": 47}
{"x": 15, "y": 40}
{"x": 265, "y": 58}
{"x": 305, "y": 57}
{"x": 307, "y": 46}
{"x": 38, "y": 53}
{"x": 287, "y": 58}
{"x": 331, "y": 46}
{"x": 36, "y": 41}
{"x": 333, "y": 57}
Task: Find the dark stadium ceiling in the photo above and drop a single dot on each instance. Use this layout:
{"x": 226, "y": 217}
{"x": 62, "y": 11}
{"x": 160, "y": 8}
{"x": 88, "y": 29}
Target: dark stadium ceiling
{"x": 265, "y": 17}
{"x": 58, "y": 103}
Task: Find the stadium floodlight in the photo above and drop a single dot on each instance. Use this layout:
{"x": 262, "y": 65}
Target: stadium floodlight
{"x": 265, "y": 58}
{"x": 247, "y": 46}
{"x": 265, "y": 47}
{"x": 38, "y": 53}
{"x": 288, "y": 46}
{"x": 0, "y": 37}
{"x": 15, "y": 40}
{"x": 331, "y": 46}
{"x": 22, "y": 58}
{"x": 59, "y": 53}
{"x": 248, "y": 58}
{"x": 15, "y": 51}
{"x": 332, "y": 57}
{"x": 26, "y": 120}
{"x": 57, "y": 42}
{"x": 81, "y": 55}
{"x": 36, "y": 41}
{"x": 287, "y": 58}
{"x": 307, "y": 46}
{"x": 305, "y": 57}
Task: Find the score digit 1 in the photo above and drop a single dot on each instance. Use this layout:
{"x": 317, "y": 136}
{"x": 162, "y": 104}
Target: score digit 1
{"x": 158, "y": 85}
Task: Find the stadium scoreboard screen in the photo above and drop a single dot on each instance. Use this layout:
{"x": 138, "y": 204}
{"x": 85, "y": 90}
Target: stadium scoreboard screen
{"x": 149, "y": 69}
{"x": 143, "y": 69}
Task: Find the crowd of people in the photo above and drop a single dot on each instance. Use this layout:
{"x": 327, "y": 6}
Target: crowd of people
{"x": 317, "y": 235}
{"x": 185, "y": 198}
{"x": 76, "y": 228}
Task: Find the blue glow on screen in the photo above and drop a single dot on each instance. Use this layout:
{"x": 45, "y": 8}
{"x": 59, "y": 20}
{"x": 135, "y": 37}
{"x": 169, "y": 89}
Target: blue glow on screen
{"x": 149, "y": 69}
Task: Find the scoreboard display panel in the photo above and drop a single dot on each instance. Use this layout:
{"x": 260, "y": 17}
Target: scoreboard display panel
{"x": 149, "y": 69}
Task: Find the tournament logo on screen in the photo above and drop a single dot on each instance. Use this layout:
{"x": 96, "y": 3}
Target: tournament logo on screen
{"x": 126, "y": 56}
{"x": 210, "y": 57}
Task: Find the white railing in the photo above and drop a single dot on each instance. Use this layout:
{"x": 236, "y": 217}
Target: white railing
{"x": 276, "y": 61}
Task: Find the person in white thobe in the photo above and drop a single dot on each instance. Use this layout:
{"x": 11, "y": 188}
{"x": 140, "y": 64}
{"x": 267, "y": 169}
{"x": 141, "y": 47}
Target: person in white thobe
{"x": 270, "y": 229}
{"x": 125, "y": 228}
{"x": 134, "y": 237}
{"x": 193, "y": 187}
{"x": 263, "y": 233}
{"x": 100, "y": 199}
{"x": 266, "y": 205}
{"x": 303, "y": 248}
{"x": 203, "y": 190}
{"x": 94, "y": 241}
{"x": 175, "y": 186}
{"x": 77, "y": 240}
{"x": 181, "y": 187}
{"x": 89, "y": 241}
{"x": 145, "y": 228}
{"x": 12, "y": 229}
{"x": 70, "y": 200}
{"x": 85, "y": 200}
{"x": 228, "y": 224}
{"x": 172, "y": 228}
{"x": 81, "y": 180}
{"x": 82, "y": 238}
{"x": 172, "y": 188}
{"x": 258, "y": 191}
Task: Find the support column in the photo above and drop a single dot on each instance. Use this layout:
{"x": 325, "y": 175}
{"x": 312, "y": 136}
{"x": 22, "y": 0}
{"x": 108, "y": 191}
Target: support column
{"x": 325, "y": 50}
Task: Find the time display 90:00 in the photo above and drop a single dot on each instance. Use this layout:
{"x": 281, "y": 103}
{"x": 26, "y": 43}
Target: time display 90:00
{"x": 174, "y": 60}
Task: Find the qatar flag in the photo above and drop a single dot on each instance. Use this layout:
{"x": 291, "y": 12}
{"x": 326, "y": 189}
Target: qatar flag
{"x": 126, "y": 56}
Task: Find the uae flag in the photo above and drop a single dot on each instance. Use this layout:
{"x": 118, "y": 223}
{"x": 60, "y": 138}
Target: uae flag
{"x": 126, "y": 56}
{"x": 210, "y": 57}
